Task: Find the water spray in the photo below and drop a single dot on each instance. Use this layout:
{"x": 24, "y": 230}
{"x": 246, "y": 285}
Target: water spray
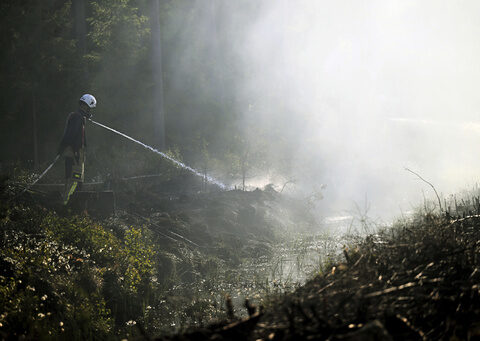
{"x": 176, "y": 162}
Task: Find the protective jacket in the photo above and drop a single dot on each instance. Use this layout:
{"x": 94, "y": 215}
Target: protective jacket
{"x": 74, "y": 133}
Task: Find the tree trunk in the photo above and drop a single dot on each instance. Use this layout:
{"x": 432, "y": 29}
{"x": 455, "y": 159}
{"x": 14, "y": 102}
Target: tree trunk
{"x": 244, "y": 174}
{"x": 158, "y": 99}
{"x": 80, "y": 25}
{"x": 35, "y": 137}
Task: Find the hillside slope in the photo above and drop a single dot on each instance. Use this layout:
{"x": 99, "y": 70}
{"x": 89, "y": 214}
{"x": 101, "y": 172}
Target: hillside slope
{"x": 416, "y": 281}
{"x": 165, "y": 261}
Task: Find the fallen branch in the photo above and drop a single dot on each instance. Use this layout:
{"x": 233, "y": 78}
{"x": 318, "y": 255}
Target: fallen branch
{"x": 392, "y": 289}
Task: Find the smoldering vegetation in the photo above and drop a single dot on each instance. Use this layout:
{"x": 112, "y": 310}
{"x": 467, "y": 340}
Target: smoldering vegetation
{"x": 308, "y": 111}
{"x": 414, "y": 281}
{"x": 168, "y": 260}
{"x": 233, "y": 265}
{"x": 417, "y": 280}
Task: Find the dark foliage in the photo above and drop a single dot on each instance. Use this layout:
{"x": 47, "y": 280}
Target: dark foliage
{"x": 416, "y": 281}
{"x": 158, "y": 266}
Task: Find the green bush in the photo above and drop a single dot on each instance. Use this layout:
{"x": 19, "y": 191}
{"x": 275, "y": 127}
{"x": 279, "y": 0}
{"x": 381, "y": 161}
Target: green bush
{"x": 70, "y": 277}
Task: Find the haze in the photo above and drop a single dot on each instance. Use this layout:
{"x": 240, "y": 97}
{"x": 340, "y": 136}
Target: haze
{"x": 363, "y": 89}
{"x": 336, "y": 97}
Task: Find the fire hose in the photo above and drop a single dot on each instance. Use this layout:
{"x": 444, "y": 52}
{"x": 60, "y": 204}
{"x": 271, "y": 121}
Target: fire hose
{"x": 41, "y": 176}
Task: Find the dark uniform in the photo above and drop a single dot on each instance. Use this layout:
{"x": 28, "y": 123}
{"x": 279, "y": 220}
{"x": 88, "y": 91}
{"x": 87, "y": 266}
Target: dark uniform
{"x": 72, "y": 146}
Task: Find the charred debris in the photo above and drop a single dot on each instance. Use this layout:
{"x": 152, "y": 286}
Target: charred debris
{"x": 416, "y": 280}
{"x": 419, "y": 280}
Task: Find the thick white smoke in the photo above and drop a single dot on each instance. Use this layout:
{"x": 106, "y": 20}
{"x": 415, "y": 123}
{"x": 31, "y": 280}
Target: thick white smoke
{"x": 369, "y": 87}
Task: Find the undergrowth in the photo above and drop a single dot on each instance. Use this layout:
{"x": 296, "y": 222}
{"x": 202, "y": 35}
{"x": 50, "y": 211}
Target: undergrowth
{"x": 70, "y": 276}
{"x": 417, "y": 279}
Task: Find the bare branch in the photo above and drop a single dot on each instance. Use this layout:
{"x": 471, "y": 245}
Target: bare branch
{"x": 286, "y": 183}
{"x": 418, "y": 175}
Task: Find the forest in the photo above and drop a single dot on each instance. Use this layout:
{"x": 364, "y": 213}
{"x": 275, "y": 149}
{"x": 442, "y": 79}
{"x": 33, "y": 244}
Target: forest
{"x": 166, "y": 72}
{"x": 247, "y": 170}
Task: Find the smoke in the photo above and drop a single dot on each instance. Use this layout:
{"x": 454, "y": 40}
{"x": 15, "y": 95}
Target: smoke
{"x": 340, "y": 93}
{"x": 363, "y": 89}
{"x": 156, "y": 151}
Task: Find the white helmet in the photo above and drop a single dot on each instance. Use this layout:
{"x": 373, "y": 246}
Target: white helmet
{"x": 89, "y": 100}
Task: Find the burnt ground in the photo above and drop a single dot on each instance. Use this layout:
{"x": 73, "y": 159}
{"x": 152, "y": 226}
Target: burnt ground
{"x": 204, "y": 245}
{"x": 415, "y": 281}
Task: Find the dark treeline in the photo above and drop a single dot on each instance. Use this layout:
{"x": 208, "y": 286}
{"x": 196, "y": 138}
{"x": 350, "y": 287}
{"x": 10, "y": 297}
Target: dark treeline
{"x": 165, "y": 72}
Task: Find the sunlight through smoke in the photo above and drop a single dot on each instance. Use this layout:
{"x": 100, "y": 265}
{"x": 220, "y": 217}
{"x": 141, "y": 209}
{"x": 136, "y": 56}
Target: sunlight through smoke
{"x": 176, "y": 162}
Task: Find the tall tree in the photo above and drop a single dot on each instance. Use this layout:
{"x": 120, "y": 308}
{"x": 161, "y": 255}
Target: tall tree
{"x": 158, "y": 98}
{"x": 35, "y": 133}
{"x": 80, "y": 25}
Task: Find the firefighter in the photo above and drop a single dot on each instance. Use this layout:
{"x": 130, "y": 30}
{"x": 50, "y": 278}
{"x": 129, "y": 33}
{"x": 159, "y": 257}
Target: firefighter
{"x": 73, "y": 143}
